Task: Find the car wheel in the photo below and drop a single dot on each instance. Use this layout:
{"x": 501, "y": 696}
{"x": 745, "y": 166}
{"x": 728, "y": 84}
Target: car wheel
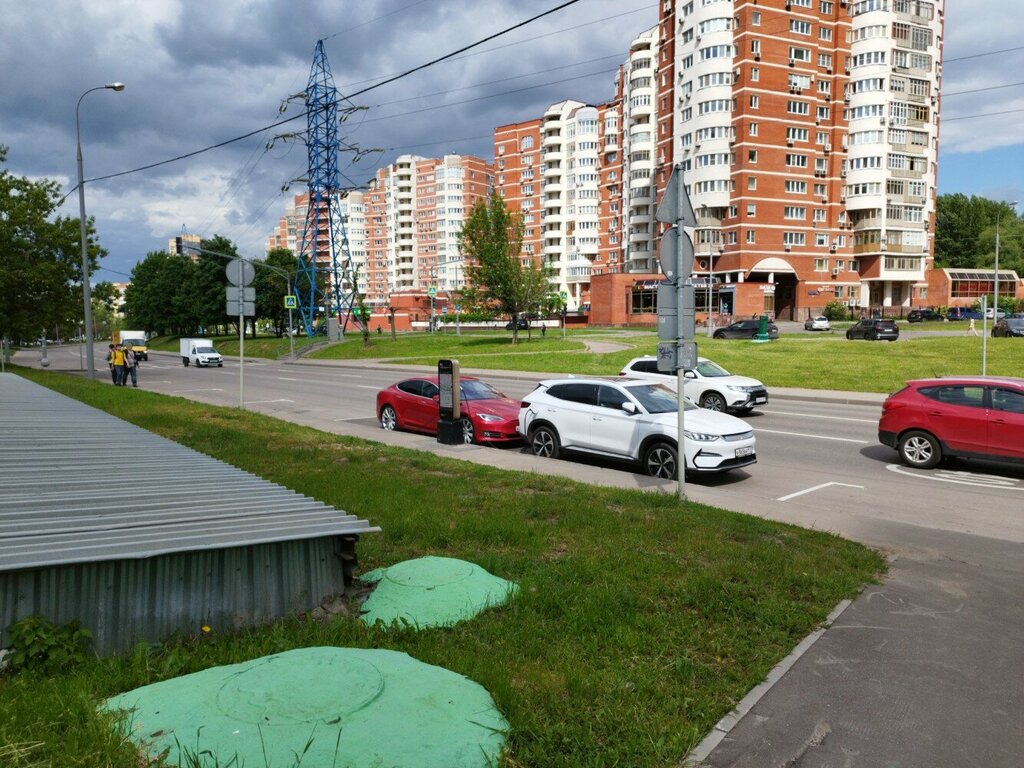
{"x": 661, "y": 460}
{"x": 849, "y": 336}
{"x": 712, "y": 401}
{"x": 920, "y": 450}
{"x": 719, "y": 335}
{"x": 872, "y": 336}
{"x": 184, "y": 361}
{"x": 468, "y": 433}
{"x": 544, "y": 442}
{"x": 388, "y": 418}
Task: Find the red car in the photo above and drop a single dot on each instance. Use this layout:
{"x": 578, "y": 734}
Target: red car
{"x": 487, "y": 416}
{"x": 979, "y": 417}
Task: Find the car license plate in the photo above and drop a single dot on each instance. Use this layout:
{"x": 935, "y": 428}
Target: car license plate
{"x": 760, "y": 400}
{"x": 745, "y": 451}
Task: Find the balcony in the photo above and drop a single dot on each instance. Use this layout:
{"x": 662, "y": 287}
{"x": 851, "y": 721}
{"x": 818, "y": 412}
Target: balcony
{"x": 552, "y": 170}
{"x": 553, "y": 202}
{"x": 554, "y": 155}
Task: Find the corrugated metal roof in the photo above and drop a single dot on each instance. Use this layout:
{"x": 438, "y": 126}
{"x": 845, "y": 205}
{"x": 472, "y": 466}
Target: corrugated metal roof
{"x": 80, "y": 485}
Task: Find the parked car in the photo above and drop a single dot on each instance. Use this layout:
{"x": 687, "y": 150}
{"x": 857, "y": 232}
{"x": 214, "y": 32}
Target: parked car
{"x": 487, "y": 416}
{"x": 922, "y": 315}
{"x": 819, "y": 323}
{"x": 1010, "y": 326}
{"x": 709, "y": 384}
{"x": 978, "y": 417}
{"x": 991, "y": 311}
{"x": 746, "y": 329}
{"x": 520, "y": 323}
{"x": 962, "y": 313}
{"x": 874, "y": 329}
{"x": 634, "y": 421}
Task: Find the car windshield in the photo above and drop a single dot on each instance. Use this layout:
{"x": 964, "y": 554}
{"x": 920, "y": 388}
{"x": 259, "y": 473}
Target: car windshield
{"x": 206, "y": 351}
{"x": 474, "y": 389}
{"x": 656, "y": 398}
{"x": 711, "y": 370}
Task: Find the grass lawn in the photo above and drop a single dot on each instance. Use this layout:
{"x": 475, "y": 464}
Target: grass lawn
{"x": 814, "y": 362}
{"x": 637, "y": 626}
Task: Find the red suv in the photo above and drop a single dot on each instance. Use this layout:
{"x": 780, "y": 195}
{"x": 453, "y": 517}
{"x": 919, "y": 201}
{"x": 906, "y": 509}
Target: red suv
{"x": 980, "y": 417}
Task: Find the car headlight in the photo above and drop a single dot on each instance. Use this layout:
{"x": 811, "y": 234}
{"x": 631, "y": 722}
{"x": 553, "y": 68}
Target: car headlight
{"x": 745, "y": 389}
{"x": 489, "y": 417}
{"x": 700, "y": 437}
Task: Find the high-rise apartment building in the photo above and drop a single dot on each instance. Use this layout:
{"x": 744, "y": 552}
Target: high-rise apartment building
{"x": 563, "y": 173}
{"x": 807, "y": 131}
{"x": 414, "y": 213}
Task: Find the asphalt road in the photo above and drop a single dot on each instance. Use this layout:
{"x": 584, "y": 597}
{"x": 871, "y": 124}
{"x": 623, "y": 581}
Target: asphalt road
{"x": 924, "y": 669}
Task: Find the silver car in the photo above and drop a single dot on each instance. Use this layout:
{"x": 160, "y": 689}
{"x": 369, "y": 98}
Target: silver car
{"x": 819, "y": 323}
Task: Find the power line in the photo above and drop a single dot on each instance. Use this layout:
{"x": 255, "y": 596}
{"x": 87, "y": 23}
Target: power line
{"x": 431, "y": 63}
{"x": 986, "y": 53}
{"x": 981, "y": 90}
{"x": 489, "y": 96}
{"x": 982, "y": 114}
{"x": 375, "y": 18}
{"x": 526, "y": 40}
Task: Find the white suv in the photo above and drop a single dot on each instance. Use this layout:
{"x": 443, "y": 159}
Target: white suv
{"x": 709, "y": 384}
{"x": 633, "y": 420}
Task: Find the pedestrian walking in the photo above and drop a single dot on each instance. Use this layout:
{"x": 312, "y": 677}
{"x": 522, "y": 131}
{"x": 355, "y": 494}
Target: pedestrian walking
{"x": 971, "y": 330}
{"x": 118, "y": 362}
{"x": 131, "y": 364}
{"x": 110, "y": 363}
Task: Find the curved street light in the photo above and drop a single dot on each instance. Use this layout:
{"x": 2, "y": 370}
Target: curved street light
{"x": 86, "y": 289}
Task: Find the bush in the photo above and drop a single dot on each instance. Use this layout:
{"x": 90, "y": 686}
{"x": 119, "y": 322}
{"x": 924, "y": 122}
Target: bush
{"x": 836, "y": 310}
{"x": 39, "y": 644}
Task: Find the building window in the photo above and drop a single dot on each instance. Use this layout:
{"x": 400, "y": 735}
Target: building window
{"x": 754, "y": 101}
{"x": 752, "y": 155}
{"x": 792, "y": 186}
{"x": 752, "y": 129}
{"x": 751, "y": 210}
{"x": 825, "y": 33}
{"x": 752, "y": 182}
{"x": 755, "y": 19}
{"x": 797, "y": 107}
{"x": 800, "y": 27}
{"x": 799, "y": 54}
{"x": 751, "y": 236}
{"x": 525, "y": 143}
{"x": 797, "y": 161}
{"x": 794, "y": 212}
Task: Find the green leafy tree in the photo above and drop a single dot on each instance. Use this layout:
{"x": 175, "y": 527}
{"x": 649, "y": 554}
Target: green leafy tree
{"x": 965, "y": 230}
{"x": 161, "y": 297}
{"x": 40, "y": 257}
{"x": 491, "y": 241}
{"x": 212, "y": 282}
{"x": 271, "y": 287}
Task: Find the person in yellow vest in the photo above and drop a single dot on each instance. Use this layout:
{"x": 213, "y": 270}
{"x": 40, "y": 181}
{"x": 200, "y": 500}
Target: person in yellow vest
{"x": 118, "y": 361}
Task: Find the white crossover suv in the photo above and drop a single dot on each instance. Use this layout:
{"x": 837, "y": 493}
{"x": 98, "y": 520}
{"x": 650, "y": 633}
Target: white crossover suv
{"x": 709, "y": 384}
{"x": 632, "y": 420}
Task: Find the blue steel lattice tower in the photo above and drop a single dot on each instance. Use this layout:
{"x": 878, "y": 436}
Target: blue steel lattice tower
{"x": 324, "y": 276}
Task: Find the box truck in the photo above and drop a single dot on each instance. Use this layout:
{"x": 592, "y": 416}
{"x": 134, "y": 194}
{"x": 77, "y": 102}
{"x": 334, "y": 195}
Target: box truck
{"x": 134, "y": 339}
{"x": 200, "y": 352}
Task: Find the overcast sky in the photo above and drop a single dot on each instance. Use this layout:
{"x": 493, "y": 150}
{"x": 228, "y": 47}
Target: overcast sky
{"x": 200, "y": 72}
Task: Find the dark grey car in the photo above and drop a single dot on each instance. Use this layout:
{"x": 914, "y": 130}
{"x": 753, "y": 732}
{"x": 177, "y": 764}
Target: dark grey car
{"x": 746, "y": 329}
{"x": 1010, "y": 326}
{"x": 874, "y": 329}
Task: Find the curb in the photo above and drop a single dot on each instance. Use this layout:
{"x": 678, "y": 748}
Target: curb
{"x": 695, "y": 757}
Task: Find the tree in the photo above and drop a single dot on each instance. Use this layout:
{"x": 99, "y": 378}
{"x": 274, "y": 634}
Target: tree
{"x": 961, "y": 223}
{"x": 40, "y": 257}
{"x": 271, "y": 287}
{"x": 491, "y": 240}
{"x": 161, "y": 297}
{"x": 212, "y": 281}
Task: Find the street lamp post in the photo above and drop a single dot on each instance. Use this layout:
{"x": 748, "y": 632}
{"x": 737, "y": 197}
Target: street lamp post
{"x": 711, "y": 277}
{"x": 995, "y": 287}
{"x": 86, "y": 289}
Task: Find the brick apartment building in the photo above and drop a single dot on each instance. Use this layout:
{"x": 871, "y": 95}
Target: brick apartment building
{"x": 807, "y": 131}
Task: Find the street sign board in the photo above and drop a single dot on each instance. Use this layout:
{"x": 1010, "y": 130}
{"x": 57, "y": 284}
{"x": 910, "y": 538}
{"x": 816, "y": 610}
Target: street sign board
{"x": 669, "y": 253}
{"x": 668, "y": 311}
{"x": 688, "y": 355}
{"x": 291, "y": 302}
{"x": 667, "y": 356}
{"x": 240, "y": 272}
{"x": 248, "y": 308}
{"x": 248, "y": 293}
{"x": 564, "y": 296}
{"x": 444, "y": 310}
{"x": 670, "y": 202}
{"x": 431, "y": 291}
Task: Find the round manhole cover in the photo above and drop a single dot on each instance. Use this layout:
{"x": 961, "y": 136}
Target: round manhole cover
{"x": 429, "y": 572}
{"x": 300, "y": 690}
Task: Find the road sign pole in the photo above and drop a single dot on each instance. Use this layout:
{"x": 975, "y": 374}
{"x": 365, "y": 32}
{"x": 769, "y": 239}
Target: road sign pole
{"x": 681, "y": 203}
{"x": 241, "y": 351}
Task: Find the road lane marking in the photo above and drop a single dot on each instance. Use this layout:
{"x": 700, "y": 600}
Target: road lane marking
{"x": 960, "y": 478}
{"x": 816, "y": 416}
{"x": 366, "y": 386}
{"x": 356, "y": 418}
{"x": 818, "y": 437}
{"x": 209, "y": 389}
{"x": 817, "y": 488}
{"x": 285, "y": 378}
{"x": 278, "y": 400}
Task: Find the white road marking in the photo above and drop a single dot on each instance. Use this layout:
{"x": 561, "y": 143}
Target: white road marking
{"x": 816, "y": 416}
{"x": 209, "y": 389}
{"x": 960, "y": 478}
{"x": 354, "y": 418}
{"x": 285, "y": 378}
{"x": 819, "y": 437}
{"x": 279, "y": 400}
{"x": 366, "y": 386}
{"x": 816, "y": 488}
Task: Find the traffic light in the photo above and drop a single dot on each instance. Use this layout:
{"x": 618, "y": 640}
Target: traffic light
{"x": 676, "y": 297}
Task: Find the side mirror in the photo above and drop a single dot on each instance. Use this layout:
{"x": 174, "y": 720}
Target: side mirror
{"x": 629, "y": 407}
{"x": 436, "y": 398}
{"x": 689, "y": 375}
